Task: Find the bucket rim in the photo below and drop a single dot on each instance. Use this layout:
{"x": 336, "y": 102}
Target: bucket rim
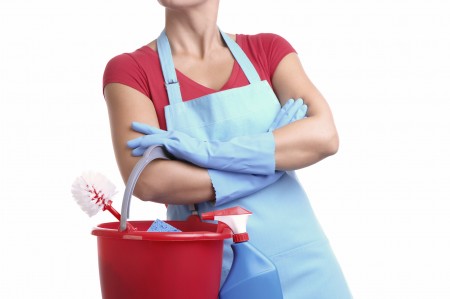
{"x": 104, "y": 232}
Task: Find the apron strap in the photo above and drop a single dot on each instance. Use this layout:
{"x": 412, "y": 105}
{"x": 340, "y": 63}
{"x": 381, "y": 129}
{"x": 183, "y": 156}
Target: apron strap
{"x": 168, "y": 67}
{"x": 242, "y": 59}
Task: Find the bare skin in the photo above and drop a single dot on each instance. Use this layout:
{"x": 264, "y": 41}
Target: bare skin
{"x": 200, "y": 54}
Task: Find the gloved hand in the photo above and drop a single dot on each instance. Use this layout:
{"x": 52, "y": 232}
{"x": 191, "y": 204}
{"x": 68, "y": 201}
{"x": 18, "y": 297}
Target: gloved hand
{"x": 291, "y": 111}
{"x": 229, "y": 186}
{"x": 254, "y": 154}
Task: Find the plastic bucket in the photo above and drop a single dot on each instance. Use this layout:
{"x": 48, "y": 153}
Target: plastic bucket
{"x": 136, "y": 264}
{"x": 141, "y": 264}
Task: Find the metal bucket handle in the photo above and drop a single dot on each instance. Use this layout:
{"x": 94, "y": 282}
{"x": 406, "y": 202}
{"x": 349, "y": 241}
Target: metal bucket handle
{"x": 152, "y": 153}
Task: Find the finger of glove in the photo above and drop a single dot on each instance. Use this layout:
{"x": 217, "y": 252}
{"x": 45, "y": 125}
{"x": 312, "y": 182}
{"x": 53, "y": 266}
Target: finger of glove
{"x": 288, "y": 105}
{"x": 290, "y": 114}
{"x": 145, "y": 129}
{"x": 139, "y": 151}
{"x": 281, "y": 114}
{"x": 297, "y": 111}
{"x": 134, "y": 143}
{"x": 151, "y": 140}
{"x": 300, "y": 113}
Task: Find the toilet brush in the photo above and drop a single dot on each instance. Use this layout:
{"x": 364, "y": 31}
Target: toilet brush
{"x": 93, "y": 192}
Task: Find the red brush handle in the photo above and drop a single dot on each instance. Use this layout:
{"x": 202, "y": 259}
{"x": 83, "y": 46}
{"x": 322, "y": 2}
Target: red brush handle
{"x": 110, "y": 208}
{"x": 113, "y": 211}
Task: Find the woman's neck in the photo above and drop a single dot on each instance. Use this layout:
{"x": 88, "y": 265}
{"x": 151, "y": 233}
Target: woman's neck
{"x": 194, "y": 31}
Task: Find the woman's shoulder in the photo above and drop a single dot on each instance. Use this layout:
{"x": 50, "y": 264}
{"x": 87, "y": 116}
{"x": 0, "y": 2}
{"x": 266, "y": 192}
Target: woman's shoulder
{"x": 132, "y": 58}
{"x": 265, "y": 49}
{"x": 262, "y": 39}
{"x": 265, "y": 43}
{"x": 130, "y": 68}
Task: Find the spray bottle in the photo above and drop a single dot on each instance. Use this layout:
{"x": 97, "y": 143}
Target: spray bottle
{"x": 252, "y": 274}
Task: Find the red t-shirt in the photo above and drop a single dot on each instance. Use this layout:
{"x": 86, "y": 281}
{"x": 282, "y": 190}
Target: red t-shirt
{"x": 141, "y": 70}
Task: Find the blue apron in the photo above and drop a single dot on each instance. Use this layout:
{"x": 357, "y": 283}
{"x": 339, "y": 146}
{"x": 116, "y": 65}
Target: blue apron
{"x": 283, "y": 225}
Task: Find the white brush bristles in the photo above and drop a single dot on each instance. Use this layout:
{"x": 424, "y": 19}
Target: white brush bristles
{"x": 92, "y": 191}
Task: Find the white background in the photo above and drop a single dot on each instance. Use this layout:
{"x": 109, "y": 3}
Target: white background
{"x": 384, "y": 67}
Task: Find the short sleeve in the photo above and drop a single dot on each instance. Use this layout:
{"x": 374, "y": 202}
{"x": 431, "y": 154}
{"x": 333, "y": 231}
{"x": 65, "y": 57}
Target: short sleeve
{"x": 126, "y": 70}
{"x": 276, "y": 49}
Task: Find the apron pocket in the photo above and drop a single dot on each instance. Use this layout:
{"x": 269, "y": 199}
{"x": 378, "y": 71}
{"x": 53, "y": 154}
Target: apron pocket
{"x": 311, "y": 271}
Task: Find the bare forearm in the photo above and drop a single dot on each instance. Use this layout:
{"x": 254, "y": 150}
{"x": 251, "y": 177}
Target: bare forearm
{"x": 304, "y": 142}
{"x": 307, "y": 141}
{"x": 174, "y": 182}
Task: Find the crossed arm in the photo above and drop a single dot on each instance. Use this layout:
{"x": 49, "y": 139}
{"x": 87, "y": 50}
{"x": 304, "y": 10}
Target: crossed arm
{"x": 297, "y": 145}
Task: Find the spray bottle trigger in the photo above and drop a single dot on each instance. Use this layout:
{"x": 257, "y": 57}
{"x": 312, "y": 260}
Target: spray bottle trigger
{"x": 235, "y": 218}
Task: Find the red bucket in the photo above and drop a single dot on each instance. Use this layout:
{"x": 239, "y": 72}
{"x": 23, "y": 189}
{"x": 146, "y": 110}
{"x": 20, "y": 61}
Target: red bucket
{"x": 136, "y": 264}
{"x": 140, "y": 264}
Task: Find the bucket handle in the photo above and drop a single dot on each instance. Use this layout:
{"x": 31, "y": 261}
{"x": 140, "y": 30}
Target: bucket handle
{"x": 152, "y": 153}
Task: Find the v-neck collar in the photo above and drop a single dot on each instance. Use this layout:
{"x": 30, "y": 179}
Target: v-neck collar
{"x": 227, "y": 85}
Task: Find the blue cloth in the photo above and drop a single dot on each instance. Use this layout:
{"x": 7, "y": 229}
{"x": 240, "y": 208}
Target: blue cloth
{"x": 161, "y": 226}
{"x": 283, "y": 225}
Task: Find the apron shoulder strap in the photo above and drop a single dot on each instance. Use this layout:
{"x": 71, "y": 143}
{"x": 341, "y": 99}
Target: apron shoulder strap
{"x": 168, "y": 69}
{"x": 242, "y": 59}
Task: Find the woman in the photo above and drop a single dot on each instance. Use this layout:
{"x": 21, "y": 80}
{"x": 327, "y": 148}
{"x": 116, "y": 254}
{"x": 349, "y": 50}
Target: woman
{"x": 232, "y": 143}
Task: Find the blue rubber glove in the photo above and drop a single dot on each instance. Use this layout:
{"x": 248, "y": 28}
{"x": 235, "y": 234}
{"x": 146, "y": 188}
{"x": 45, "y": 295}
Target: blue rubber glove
{"x": 291, "y": 111}
{"x": 254, "y": 154}
{"x": 229, "y": 186}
